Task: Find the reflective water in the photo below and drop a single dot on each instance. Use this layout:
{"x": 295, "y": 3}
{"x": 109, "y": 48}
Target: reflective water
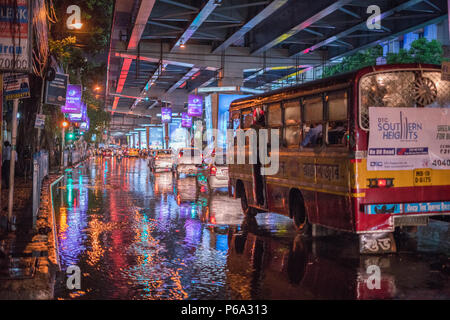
{"x": 135, "y": 235}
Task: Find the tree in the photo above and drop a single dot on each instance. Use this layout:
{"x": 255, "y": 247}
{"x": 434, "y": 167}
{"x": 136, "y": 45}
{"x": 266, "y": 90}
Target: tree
{"x": 421, "y": 51}
{"x": 80, "y": 55}
{"x": 356, "y": 61}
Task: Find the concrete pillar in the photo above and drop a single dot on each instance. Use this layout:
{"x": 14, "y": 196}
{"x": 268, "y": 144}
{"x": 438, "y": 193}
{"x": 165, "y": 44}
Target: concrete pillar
{"x": 443, "y": 32}
{"x": 166, "y": 135}
{"x": 139, "y": 140}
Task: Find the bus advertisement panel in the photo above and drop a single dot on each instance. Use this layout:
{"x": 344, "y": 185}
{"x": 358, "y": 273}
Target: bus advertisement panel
{"x": 400, "y": 138}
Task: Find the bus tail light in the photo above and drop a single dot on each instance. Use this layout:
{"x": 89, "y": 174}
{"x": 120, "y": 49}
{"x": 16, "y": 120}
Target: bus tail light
{"x": 212, "y": 171}
{"x": 381, "y": 182}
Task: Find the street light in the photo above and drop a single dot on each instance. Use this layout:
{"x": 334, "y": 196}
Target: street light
{"x": 64, "y": 125}
{"x": 76, "y": 26}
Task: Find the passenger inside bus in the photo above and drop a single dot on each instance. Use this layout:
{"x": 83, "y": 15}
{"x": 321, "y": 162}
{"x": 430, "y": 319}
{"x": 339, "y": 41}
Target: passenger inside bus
{"x": 313, "y": 136}
{"x": 336, "y": 133}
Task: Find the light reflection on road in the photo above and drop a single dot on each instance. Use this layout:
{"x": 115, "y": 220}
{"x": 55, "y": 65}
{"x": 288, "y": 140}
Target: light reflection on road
{"x": 135, "y": 235}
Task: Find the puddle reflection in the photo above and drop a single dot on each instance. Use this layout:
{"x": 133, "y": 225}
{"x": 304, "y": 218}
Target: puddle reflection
{"x": 136, "y": 235}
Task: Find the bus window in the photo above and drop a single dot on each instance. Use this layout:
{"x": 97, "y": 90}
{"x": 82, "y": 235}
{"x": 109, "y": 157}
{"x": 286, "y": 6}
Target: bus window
{"x": 292, "y": 113}
{"x": 401, "y": 89}
{"x": 274, "y": 115}
{"x": 235, "y": 120}
{"x": 313, "y": 109}
{"x": 337, "y": 116}
{"x": 337, "y": 106}
{"x": 247, "y": 119}
{"x": 292, "y": 118}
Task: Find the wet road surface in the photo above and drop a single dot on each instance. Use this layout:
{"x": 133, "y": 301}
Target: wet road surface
{"x": 135, "y": 235}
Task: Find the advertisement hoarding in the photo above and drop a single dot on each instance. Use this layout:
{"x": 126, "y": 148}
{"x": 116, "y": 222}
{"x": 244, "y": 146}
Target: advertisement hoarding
{"x": 73, "y": 99}
{"x": 74, "y": 117}
{"x": 195, "y": 105}
{"x": 16, "y": 86}
{"x": 56, "y": 90}
{"x": 409, "y": 138}
{"x": 166, "y": 115}
{"x": 186, "y": 120}
{"x": 15, "y": 42}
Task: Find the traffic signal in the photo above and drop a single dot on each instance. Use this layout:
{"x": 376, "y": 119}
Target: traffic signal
{"x": 70, "y": 136}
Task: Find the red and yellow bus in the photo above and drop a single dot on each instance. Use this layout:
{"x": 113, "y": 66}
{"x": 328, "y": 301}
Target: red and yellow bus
{"x": 363, "y": 152}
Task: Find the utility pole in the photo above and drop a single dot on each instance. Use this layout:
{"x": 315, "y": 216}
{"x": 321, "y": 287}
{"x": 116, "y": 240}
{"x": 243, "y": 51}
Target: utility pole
{"x": 12, "y": 165}
{"x": 41, "y": 102}
{"x": 63, "y": 142}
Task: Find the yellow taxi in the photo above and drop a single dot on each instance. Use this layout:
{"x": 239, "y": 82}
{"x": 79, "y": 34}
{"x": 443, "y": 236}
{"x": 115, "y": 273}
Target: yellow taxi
{"x": 133, "y": 153}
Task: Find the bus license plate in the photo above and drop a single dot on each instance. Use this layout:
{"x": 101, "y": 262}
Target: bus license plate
{"x": 422, "y": 177}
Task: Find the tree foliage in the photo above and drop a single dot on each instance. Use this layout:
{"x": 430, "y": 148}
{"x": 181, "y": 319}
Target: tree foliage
{"x": 421, "y": 51}
{"x": 80, "y": 55}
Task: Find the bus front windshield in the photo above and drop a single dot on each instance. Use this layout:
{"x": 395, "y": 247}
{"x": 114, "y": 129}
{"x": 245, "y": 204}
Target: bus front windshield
{"x": 402, "y": 89}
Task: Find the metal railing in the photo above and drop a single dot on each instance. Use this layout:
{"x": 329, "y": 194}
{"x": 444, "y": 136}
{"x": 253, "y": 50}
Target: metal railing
{"x": 40, "y": 171}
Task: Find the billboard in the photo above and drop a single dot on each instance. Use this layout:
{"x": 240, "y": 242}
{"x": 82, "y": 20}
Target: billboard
{"x": 83, "y": 112}
{"x": 75, "y": 117}
{"x": 195, "y": 105}
{"x": 15, "y": 42}
{"x": 16, "y": 86}
{"x": 56, "y": 90}
{"x": 73, "y": 99}
{"x": 408, "y": 138}
{"x": 85, "y": 125}
{"x": 166, "y": 115}
{"x": 186, "y": 120}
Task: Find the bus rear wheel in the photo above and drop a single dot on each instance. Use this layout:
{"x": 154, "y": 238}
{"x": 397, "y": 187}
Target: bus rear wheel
{"x": 298, "y": 213}
{"x": 248, "y": 211}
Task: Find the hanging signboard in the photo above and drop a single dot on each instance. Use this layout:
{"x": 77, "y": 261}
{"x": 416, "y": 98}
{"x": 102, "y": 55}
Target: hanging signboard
{"x": 166, "y": 115}
{"x": 409, "y": 138}
{"x": 56, "y": 90}
{"x": 40, "y": 121}
{"x": 74, "y": 117}
{"x": 85, "y": 125}
{"x": 195, "y": 105}
{"x": 15, "y": 42}
{"x": 73, "y": 99}
{"x": 83, "y": 112}
{"x": 186, "y": 120}
{"x": 16, "y": 86}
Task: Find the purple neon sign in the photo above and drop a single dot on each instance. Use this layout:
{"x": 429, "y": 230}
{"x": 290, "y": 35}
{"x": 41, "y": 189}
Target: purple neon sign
{"x": 195, "y": 105}
{"x": 186, "y": 120}
{"x": 166, "y": 115}
{"x": 73, "y": 99}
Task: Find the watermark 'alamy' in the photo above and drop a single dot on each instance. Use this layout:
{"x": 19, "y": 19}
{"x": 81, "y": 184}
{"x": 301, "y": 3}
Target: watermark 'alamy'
{"x": 259, "y": 148}
{"x": 374, "y": 21}
{"x": 74, "y": 277}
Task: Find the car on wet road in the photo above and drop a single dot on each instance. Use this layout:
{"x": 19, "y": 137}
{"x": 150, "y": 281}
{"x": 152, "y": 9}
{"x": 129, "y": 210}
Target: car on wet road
{"x": 214, "y": 173}
{"x": 188, "y": 161}
{"x": 162, "y": 160}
